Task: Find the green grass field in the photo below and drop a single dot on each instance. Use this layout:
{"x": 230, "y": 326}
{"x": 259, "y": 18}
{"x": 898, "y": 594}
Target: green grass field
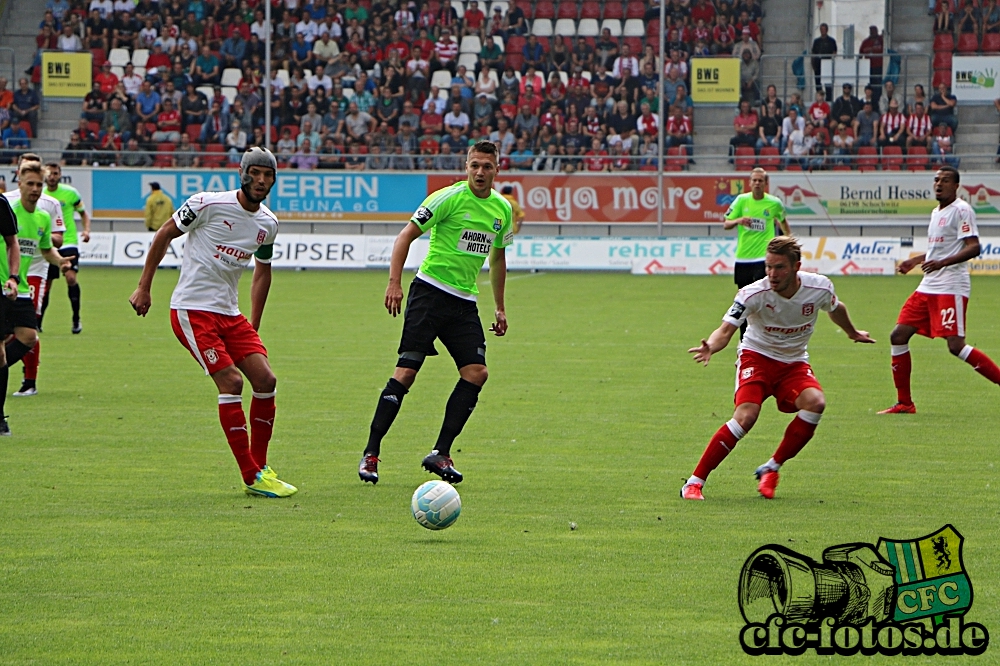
{"x": 126, "y": 537}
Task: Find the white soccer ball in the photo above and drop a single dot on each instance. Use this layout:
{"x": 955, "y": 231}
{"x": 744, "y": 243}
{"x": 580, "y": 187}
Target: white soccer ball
{"x": 436, "y": 505}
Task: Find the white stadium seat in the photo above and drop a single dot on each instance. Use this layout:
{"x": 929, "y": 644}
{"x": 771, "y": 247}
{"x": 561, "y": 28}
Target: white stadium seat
{"x": 229, "y": 93}
{"x": 614, "y": 25}
{"x": 441, "y": 79}
{"x": 139, "y": 57}
{"x": 119, "y": 57}
{"x": 588, "y": 28}
{"x": 470, "y": 60}
{"x": 470, "y": 44}
{"x": 498, "y": 40}
{"x": 541, "y": 27}
{"x": 634, "y": 28}
{"x": 231, "y": 77}
{"x": 565, "y": 27}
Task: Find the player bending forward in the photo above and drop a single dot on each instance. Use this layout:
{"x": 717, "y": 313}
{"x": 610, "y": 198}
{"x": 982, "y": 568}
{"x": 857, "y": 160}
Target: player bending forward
{"x": 224, "y": 230}
{"x": 937, "y": 308}
{"x": 772, "y": 360}
{"x": 468, "y": 221}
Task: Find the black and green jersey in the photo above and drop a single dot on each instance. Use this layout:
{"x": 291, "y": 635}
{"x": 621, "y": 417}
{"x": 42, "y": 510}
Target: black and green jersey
{"x": 765, "y": 215}
{"x": 33, "y": 235}
{"x": 69, "y": 198}
{"x": 464, "y": 228}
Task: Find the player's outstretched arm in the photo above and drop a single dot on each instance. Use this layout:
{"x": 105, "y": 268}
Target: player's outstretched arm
{"x": 259, "y": 288}
{"x": 841, "y": 318}
{"x": 140, "y": 299}
{"x": 53, "y": 257}
{"x": 716, "y": 342}
{"x": 401, "y": 248}
{"x": 908, "y": 265}
{"x": 498, "y": 280}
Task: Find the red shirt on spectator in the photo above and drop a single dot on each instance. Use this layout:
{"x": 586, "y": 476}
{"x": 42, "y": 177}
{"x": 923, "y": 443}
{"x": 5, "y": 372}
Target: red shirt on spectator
{"x": 744, "y": 122}
{"x": 474, "y": 18}
{"x": 434, "y": 121}
{"x": 426, "y": 46}
{"x": 819, "y": 111}
{"x": 159, "y": 60}
{"x": 647, "y": 125}
{"x": 169, "y": 121}
{"x": 426, "y": 19}
{"x": 705, "y": 11}
{"x": 429, "y": 144}
{"x": 107, "y": 80}
{"x": 533, "y": 101}
{"x": 509, "y": 110}
{"x": 919, "y": 126}
{"x": 403, "y": 47}
{"x": 682, "y": 126}
{"x": 754, "y": 29}
{"x": 701, "y": 32}
{"x": 729, "y": 30}
{"x": 578, "y": 81}
{"x": 554, "y": 121}
{"x": 50, "y": 42}
{"x": 241, "y": 28}
{"x": 596, "y": 160}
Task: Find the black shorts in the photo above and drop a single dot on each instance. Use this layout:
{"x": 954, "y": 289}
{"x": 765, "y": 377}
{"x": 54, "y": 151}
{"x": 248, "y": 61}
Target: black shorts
{"x": 19, "y": 313}
{"x": 66, "y": 252}
{"x": 432, "y": 313}
{"x": 748, "y": 272}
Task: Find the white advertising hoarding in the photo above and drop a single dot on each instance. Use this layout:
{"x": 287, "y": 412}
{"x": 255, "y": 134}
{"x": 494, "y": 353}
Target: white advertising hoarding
{"x": 974, "y": 78}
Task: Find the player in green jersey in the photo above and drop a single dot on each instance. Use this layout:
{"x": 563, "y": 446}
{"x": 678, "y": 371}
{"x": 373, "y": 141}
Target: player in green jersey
{"x": 758, "y": 217}
{"x": 9, "y": 259}
{"x": 69, "y": 197}
{"x": 468, "y": 222}
{"x": 34, "y": 227}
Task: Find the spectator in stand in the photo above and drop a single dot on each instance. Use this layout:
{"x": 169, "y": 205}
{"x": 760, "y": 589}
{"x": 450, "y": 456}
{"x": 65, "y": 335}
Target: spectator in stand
{"x": 745, "y": 124}
{"x": 746, "y": 44}
{"x": 496, "y": 26}
{"x": 819, "y": 111}
{"x": 357, "y": 123}
{"x": 168, "y": 123}
{"x": 990, "y": 14}
{"x": 482, "y": 112}
{"x": 968, "y": 22}
{"x": 148, "y": 34}
{"x": 447, "y": 160}
{"x": 216, "y": 125}
{"x": 679, "y": 130}
{"x": 185, "y": 154}
{"x": 866, "y": 126}
{"x": 474, "y": 20}
{"x": 503, "y": 137}
{"x": 944, "y": 17}
{"x": 304, "y": 159}
{"x": 94, "y": 104}
{"x": 134, "y": 156}
{"x": 76, "y": 152}
{"x": 6, "y": 96}
{"x": 749, "y": 77}
{"x": 943, "y": 108}
{"x": 769, "y": 131}
{"x": 843, "y": 146}
{"x": 534, "y": 56}
{"x": 236, "y": 142}
{"x": 234, "y": 51}
{"x": 418, "y": 74}
{"x": 823, "y": 47}
{"x": 87, "y": 137}
{"x": 892, "y": 127}
{"x": 124, "y": 31}
{"x": 596, "y": 159}
{"x": 445, "y": 53}
{"x": 873, "y": 46}
{"x": 206, "y": 69}
{"x": 515, "y": 22}
{"x": 14, "y": 136}
{"x": 457, "y": 118}
{"x": 116, "y": 120}
{"x": 68, "y": 40}
{"x": 943, "y": 145}
{"x": 526, "y": 123}
{"x": 918, "y": 128}
{"x": 845, "y": 108}
{"x": 490, "y": 56}
{"x": 106, "y": 8}
{"x": 771, "y": 97}
{"x": 194, "y": 106}
{"x": 131, "y": 81}
{"x": 888, "y": 95}
{"x": 723, "y": 36}
{"x": 918, "y": 96}
{"x": 522, "y": 158}
{"x": 799, "y": 146}
{"x": 626, "y": 65}
{"x": 106, "y": 78}
{"x": 549, "y": 160}
{"x": 47, "y": 39}
{"x": 96, "y": 31}
{"x": 26, "y": 104}
{"x": 647, "y": 124}
{"x": 147, "y": 104}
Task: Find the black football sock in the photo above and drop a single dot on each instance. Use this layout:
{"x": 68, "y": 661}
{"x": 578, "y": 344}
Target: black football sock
{"x": 385, "y": 413}
{"x": 16, "y": 351}
{"x": 460, "y": 405}
{"x": 45, "y": 306}
{"x": 4, "y": 375}
{"x": 74, "y": 301}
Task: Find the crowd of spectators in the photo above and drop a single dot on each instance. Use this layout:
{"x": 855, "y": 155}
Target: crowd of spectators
{"x": 393, "y": 84}
{"x": 845, "y": 134}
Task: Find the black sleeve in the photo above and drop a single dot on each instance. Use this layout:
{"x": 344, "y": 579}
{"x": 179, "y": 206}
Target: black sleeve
{"x": 8, "y": 221}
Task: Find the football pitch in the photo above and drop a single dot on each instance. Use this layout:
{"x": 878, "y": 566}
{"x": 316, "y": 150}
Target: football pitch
{"x": 126, "y": 537}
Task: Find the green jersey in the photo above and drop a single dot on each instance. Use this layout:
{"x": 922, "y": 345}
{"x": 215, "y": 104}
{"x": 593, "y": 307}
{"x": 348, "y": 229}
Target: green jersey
{"x": 34, "y": 234}
{"x": 765, "y": 214}
{"x": 463, "y": 230}
{"x": 69, "y": 197}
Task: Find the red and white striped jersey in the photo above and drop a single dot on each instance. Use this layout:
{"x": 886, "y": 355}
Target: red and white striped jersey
{"x": 919, "y": 126}
{"x": 682, "y": 126}
{"x": 892, "y": 122}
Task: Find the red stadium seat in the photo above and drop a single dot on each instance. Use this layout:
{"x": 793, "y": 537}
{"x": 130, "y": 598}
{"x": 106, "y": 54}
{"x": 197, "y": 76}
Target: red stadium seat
{"x": 745, "y": 158}
{"x": 94, "y": 127}
{"x": 942, "y": 59}
{"x": 26, "y": 126}
{"x": 653, "y": 30}
{"x": 216, "y": 157}
{"x": 614, "y": 10}
{"x": 677, "y": 159}
{"x": 648, "y": 167}
{"x": 991, "y": 43}
{"x": 892, "y": 158}
{"x": 867, "y": 158}
{"x": 525, "y": 6}
{"x": 515, "y": 44}
{"x": 591, "y": 10}
{"x": 634, "y": 44}
{"x": 968, "y": 43}
{"x": 944, "y": 42}
{"x": 567, "y": 10}
{"x": 769, "y": 157}
{"x": 545, "y": 9}
{"x": 193, "y": 131}
{"x": 793, "y": 166}
{"x": 434, "y": 6}
{"x": 294, "y": 129}
{"x": 917, "y": 159}
{"x": 546, "y": 43}
{"x": 163, "y": 157}
{"x": 942, "y": 76}
{"x": 635, "y": 10}
{"x": 515, "y": 61}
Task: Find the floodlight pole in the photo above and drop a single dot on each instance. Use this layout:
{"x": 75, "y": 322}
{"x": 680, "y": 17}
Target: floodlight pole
{"x": 660, "y": 123}
{"x": 267, "y": 74}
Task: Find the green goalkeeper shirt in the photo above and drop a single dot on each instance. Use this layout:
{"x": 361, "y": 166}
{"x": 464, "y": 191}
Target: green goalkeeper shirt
{"x": 69, "y": 198}
{"x": 765, "y": 214}
{"x": 463, "y": 229}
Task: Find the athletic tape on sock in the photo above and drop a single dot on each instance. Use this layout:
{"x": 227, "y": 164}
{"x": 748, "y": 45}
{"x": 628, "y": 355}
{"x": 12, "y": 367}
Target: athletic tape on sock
{"x": 264, "y": 396}
{"x": 964, "y": 354}
{"x": 229, "y": 399}
{"x": 736, "y": 429}
{"x": 899, "y": 350}
{"x": 810, "y": 417}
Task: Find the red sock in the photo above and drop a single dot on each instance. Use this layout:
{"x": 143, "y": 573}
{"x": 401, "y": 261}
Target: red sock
{"x": 980, "y": 362}
{"x": 901, "y": 374}
{"x": 30, "y": 361}
{"x": 797, "y": 435}
{"x": 234, "y": 424}
{"x": 722, "y": 442}
{"x": 261, "y": 425}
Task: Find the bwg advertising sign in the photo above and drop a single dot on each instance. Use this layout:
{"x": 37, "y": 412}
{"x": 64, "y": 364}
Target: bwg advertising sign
{"x": 66, "y": 74}
{"x": 715, "y": 80}
{"x": 899, "y": 597}
{"x": 974, "y": 78}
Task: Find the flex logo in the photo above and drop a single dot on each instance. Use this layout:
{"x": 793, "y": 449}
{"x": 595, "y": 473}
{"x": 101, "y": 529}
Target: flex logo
{"x": 906, "y": 597}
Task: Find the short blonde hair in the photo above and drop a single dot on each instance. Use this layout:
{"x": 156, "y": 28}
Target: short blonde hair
{"x": 30, "y": 167}
{"x": 786, "y": 246}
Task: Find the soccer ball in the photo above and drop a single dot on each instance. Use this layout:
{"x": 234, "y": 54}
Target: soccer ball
{"x": 436, "y": 505}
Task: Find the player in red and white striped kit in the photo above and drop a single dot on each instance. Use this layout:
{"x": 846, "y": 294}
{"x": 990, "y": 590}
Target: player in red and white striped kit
{"x": 937, "y": 308}
{"x": 224, "y": 230}
{"x": 772, "y": 360}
